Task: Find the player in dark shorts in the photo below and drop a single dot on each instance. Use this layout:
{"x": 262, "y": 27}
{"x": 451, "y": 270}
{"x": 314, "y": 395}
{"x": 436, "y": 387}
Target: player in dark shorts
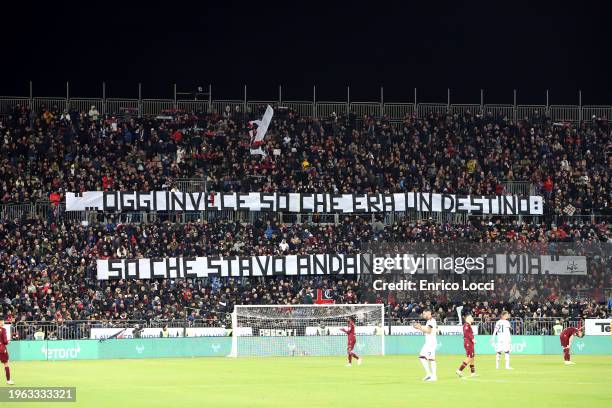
{"x": 4, "y": 355}
{"x": 566, "y": 337}
{"x": 468, "y": 345}
{"x": 352, "y": 339}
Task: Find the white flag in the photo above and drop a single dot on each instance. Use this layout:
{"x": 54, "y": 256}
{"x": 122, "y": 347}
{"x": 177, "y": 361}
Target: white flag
{"x": 262, "y": 125}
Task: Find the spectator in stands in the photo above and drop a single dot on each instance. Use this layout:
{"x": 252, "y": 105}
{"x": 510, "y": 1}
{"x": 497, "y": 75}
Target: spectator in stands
{"x": 548, "y": 187}
{"x": 283, "y": 246}
{"x": 137, "y": 332}
{"x": 93, "y": 113}
{"x": 55, "y": 198}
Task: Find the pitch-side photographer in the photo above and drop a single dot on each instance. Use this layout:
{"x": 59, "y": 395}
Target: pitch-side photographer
{"x": 137, "y": 332}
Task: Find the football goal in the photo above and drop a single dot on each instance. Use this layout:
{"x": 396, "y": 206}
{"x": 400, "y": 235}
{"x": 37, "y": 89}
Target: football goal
{"x": 305, "y": 330}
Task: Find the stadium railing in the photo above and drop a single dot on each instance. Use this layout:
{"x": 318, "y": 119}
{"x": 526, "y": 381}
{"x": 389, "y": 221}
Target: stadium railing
{"x": 425, "y": 109}
{"x": 17, "y": 211}
{"x": 508, "y": 111}
{"x": 81, "y": 329}
{"x": 120, "y": 107}
{"x": 226, "y": 106}
{"x": 154, "y": 107}
{"x": 531, "y": 112}
{"x": 460, "y": 109}
{"x": 39, "y": 102}
{"x": 258, "y": 108}
{"x": 191, "y": 185}
{"x": 39, "y": 209}
{"x": 193, "y": 106}
{"x": 7, "y": 103}
{"x": 565, "y": 113}
{"x": 535, "y": 326}
{"x": 393, "y": 111}
{"x": 545, "y": 325}
{"x": 522, "y": 188}
{"x": 47, "y": 210}
{"x": 399, "y": 111}
{"x": 85, "y": 104}
{"x": 326, "y": 109}
{"x": 438, "y": 217}
{"x": 530, "y": 325}
{"x": 51, "y": 330}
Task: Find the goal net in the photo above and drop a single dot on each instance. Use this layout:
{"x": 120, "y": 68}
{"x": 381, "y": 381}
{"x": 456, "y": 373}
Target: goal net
{"x": 305, "y": 330}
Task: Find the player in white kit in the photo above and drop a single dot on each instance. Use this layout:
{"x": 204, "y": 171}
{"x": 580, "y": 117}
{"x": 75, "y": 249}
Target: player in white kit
{"x": 502, "y": 339}
{"x": 427, "y": 356}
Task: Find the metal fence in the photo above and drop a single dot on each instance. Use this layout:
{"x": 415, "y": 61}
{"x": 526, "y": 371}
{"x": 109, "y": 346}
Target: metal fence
{"x": 121, "y": 107}
{"x": 7, "y": 103}
{"x": 193, "y": 106}
{"x": 227, "y": 106}
{"x": 81, "y": 329}
{"x": 49, "y": 211}
{"x": 49, "y": 103}
{"x": 461, "y": 109}
{"x": 38, "y": 209}
{"x": 327, "y": 109}
{"x": 191, "y": 185}
{"x": 303, "y": 109}
{"x": 534, "y": 326}
{"x": 85, "y": 104}
{"x": 425, "y": 109}
{"x": 507, "y": 111}
{"x": 154, "y": 107}
{"x": 521, "y": 188}
{"x": 394, "y": 111}
{"x": 399, "y": 111}
{"x": 546, "y": 325}
{"x": 413, "y": 216}
{"x": 532, "y": 112}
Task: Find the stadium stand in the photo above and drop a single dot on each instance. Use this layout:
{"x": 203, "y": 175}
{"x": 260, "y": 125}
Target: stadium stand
{"x": 47, "y": 256}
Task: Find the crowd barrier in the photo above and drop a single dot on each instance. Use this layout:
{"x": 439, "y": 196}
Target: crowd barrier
{"x": 123, "y": 348}
{"x": 221, "y": 347}
{"x": 393, "y": 111}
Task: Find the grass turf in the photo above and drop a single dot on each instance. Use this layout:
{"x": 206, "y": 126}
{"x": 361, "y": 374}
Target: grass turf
{"x": 390, "y": 381}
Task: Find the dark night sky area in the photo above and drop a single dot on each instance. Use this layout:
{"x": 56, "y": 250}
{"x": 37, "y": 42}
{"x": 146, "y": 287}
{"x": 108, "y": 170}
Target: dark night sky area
{"x": 464, "y": 46}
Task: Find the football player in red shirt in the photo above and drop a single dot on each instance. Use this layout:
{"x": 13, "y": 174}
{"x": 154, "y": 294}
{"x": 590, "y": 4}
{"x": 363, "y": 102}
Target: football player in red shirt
{"x": 566, "y": 338}
{"x": 4, "y": 355}
{"x": 352, "y": 339}
{"x": 468, "y": 345}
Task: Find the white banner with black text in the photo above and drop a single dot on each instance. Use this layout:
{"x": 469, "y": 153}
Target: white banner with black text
{"x": 106, "y": 332}
{"x": 597, "y": 327}
{"x": 129, "y": 201}
{"x": 323, "y": 264}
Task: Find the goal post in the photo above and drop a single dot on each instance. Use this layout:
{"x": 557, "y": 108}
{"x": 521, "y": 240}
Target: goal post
{"x": 306, "y": 330}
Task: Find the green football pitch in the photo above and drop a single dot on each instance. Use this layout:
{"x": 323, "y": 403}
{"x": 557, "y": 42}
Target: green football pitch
{"x": 390, "y": 381}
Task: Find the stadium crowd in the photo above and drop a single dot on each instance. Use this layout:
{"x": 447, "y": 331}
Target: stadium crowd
{"x": 48, "y": 270}
{"x": 49, "y": 152}
{"x": 47, "y": 265}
